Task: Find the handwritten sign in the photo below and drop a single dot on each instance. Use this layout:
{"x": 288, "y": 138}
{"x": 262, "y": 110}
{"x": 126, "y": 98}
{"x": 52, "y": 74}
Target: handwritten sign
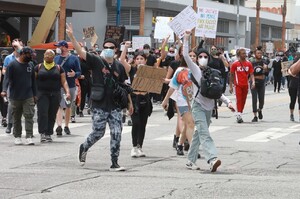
{"x": 89, "y": 32}
{"x": 162, "y": 30}
{"x": 115, "y": 32}
{"x": 149, "y": 79}
{"x": 207, "y": 22}
{"x": 185, "y": 20}
{"x": 285, "y": 67}
{"x": 139, "y": 41}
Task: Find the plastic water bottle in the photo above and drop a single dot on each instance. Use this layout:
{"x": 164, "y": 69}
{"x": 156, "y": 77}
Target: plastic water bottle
{"x": 68, "y": 102}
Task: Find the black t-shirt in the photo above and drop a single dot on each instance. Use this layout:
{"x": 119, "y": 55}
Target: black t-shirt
{"x": 258, "y": 67}
{"x": 48, "y": 81}
{"x": 174, "y": 65}
{"x": 102, "y": 75}
{"x": 151, "y": 60}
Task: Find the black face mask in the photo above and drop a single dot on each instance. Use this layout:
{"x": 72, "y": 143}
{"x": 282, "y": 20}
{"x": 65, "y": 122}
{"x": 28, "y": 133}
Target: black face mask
{"x": 27, "y": 59}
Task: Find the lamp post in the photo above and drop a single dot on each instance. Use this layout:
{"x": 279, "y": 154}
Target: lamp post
{"x": 118, "y": 12}
{"x": 257, "y": 34}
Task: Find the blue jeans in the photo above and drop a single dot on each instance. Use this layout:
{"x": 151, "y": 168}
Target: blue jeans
{"x": 201, "y": 136}
{"x": 114, "y": 120}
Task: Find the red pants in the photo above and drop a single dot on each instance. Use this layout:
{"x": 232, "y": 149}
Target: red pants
{"x": 241, "y": 92}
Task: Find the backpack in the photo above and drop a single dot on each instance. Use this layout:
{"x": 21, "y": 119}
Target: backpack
{"x": 211, "y": 86}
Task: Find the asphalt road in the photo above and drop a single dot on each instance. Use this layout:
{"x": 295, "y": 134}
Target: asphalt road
{"x": 259, "y": 160}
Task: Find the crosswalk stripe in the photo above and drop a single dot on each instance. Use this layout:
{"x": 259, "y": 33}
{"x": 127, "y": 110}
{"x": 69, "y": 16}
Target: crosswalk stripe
{"x": 268, "y": 134}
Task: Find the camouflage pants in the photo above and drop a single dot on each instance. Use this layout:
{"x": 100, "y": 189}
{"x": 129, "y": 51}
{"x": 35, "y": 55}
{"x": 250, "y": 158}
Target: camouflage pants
{"x": 114, "y": 120}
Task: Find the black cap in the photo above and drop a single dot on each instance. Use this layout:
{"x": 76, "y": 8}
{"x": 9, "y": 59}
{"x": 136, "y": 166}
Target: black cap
{"x": 146, "y": 46}
{"x": 110, "y": 40}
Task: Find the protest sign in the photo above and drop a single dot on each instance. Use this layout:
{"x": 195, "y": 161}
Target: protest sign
{"x": 149, "y": 79}
{"x": 162, "y": 30}
{"x": 269, "y": 47}
{"x": 285, "y": 67}
{"x": 207, "y": 22}
{"x": 139, "y": 41}
{"x": 89, "y": 32}
{"x": 185, "y": 20}
{"x": 115, "y": 32}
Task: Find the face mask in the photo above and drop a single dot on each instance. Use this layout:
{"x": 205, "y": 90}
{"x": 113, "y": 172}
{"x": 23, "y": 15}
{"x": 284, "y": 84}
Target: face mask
{"x": 27, "y": 59}
{"x": 171, "y": 54}
{"x": 146, "y": 51}
{"x": 58, "y": 51}
{"x": 202, "y": 61}
{"x": 108, "y": 53}
{"x": 214, "y": 52}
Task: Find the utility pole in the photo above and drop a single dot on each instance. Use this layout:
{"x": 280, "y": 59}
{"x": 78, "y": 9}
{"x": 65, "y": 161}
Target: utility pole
{"x": 142, "y": 16}
{"x": 118, "y": 12}
{"x": 62, "y": 20}
{"x": 283, "y": 8}
{"x": 237, "y": 23}
{"x": 257, "y": 35}
{"x": 193, "y": 42}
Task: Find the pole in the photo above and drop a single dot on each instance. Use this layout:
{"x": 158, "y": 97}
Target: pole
{"x": 142, "y": 15}
{"x": 62, "y": 20}
{"x": 193, "y": 42}
{"x": 283, "y": 8}
{"x": 237, "y": 23}
{"x": 257, "y": 22}
{"x": 118, "y": 12}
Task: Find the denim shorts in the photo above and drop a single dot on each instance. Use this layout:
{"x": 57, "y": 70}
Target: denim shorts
{"x": 183, "y": 110}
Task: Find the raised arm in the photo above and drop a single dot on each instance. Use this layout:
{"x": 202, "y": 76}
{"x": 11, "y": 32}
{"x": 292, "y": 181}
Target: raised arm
{"x": 295, "y": 68}
{"x": 123, "y": 61}
{"x": 163, "y": 52}
{"x": 80, "y": 51}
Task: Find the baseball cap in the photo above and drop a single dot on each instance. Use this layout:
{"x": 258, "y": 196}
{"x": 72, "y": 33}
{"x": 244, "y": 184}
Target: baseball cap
{"x": 62, "y": 43}
{"x": 110, "y": 40}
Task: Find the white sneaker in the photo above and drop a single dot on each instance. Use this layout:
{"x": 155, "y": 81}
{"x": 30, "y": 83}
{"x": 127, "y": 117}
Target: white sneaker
{"x": 214, "y": 164}
{"x": 192, "y": 166}
{"x": 18, "y": 141}
{"x": 29, "y": 141}
{"x": 134, "y": 152}
{"x": 141, "y": 153}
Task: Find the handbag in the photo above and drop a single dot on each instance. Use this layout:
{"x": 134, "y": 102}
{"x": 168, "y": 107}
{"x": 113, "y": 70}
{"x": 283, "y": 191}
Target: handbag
{"x": 97, "y": 92}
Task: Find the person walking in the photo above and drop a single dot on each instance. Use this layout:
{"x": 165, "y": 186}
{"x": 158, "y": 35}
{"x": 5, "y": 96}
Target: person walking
{"x": 106, "y": 73}
{"x": 239, "y": 72}
{"x": 277, "y": 74}
{"x": 21, "y": 79}
{"x": 50, "y": 77}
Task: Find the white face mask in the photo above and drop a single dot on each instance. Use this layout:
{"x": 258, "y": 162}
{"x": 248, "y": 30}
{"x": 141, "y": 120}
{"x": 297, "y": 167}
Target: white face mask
{"x": 58, "y": 51}
{"x": 202, "y": 61}
{"x": 108, "y": 53}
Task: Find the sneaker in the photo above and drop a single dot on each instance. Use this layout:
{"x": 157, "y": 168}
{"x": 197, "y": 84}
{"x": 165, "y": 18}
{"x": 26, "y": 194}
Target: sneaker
{"x": 81, "y": 114}
{"x": 59, "y": 131}
{"x": 239, "y": 119}
{"x": 48, "y": 138}
{"x": 4, "y": 122}
{"x": 180, "y": 150}
{"x": 29, "y": 141}
{"x": 192, "y": 166}
{"x": 116, "y": 167}
{"x": 134, "y": 152}
{"x": 141, "y": 152}
{"x": 292, "y": 118}
{"x": 260, "y": 115}
{"x": 89, "y": 111}
{"x": 73, "y": 119}
{"x": 82, "y": 155}
{"x": 214, "y": 164}
{"x": 8, "y": 129}
{"x": 18, "y": 141}
{"x": 67, "y": 130}
{"x": 43, "y": 138}
{"x": 255, "y": 119}
{"x": 175, "y": 141}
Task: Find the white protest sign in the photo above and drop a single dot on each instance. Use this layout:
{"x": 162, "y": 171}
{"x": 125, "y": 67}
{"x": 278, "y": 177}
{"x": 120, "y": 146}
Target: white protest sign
{"x": 139, "y": 41}
{"x": 185, "y": 20}
{"x": 269, "y": 47}
{"x": 162, "y": 30}
{"x": 207, "y": 22}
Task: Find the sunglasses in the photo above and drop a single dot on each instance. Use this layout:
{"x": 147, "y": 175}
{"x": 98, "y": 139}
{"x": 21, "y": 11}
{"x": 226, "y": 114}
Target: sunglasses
{"x": 109, "y": 47}
{"x": 205, "y": 57}
{"x": 172, "y": 51}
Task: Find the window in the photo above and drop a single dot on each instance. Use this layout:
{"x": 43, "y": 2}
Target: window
{"x": 223, "y": 26}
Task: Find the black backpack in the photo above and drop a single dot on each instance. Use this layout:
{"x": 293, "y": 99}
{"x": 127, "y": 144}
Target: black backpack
{"x": 211, "y": 85}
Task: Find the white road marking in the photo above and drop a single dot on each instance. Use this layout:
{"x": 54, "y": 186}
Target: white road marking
{"x": 268, "y": 134}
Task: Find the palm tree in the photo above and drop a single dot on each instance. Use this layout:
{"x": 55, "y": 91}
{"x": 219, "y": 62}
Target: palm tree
{"x": 257, "y": 35}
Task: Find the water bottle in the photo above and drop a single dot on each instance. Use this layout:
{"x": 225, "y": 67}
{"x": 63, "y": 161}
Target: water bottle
{"x": 68, "y": 102}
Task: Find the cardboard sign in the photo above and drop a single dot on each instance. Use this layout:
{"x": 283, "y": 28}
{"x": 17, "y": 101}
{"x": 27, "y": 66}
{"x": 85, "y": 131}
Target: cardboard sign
{"x": 139, "y": 41}
{"x": 207, "y": 22}
{"x": 149, "y": 79}
{"x": 89, "y": 32}
{"x": 115, "y": 32}
{"x": 285, "y": 67}
{"x": 162, "y": 30}
{"x": 185, "y": 20}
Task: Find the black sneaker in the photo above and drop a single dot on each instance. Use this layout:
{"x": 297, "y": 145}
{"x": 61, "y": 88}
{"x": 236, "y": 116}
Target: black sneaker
{"x": 81, "y": 114}
{"x": 48, "y": 138}
{"x": 59, "y": 131}
{"x": 239, "y": 119}
{"x": 43, "y": 138}
{"x": 82, "y": 155}
{"x": 260, "y": 115}
{"x": 4, "y": 122}
{"x": 67, "y": 130}
{"x": 116, "y": 167}
{"x": 175, "y": 141}
{"x": 292, "y": 118}
{"x": 254, "y": 119}
{"x": 8, "y": 129}
{"x": 180, "y": 150}
{"x": 73, "y": 119}
{"x": 186, "y": 145}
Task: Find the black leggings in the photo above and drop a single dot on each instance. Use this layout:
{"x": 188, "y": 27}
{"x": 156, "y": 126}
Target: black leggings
{"x": 293, "y": 92}
{"x": 277, "y": 82}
